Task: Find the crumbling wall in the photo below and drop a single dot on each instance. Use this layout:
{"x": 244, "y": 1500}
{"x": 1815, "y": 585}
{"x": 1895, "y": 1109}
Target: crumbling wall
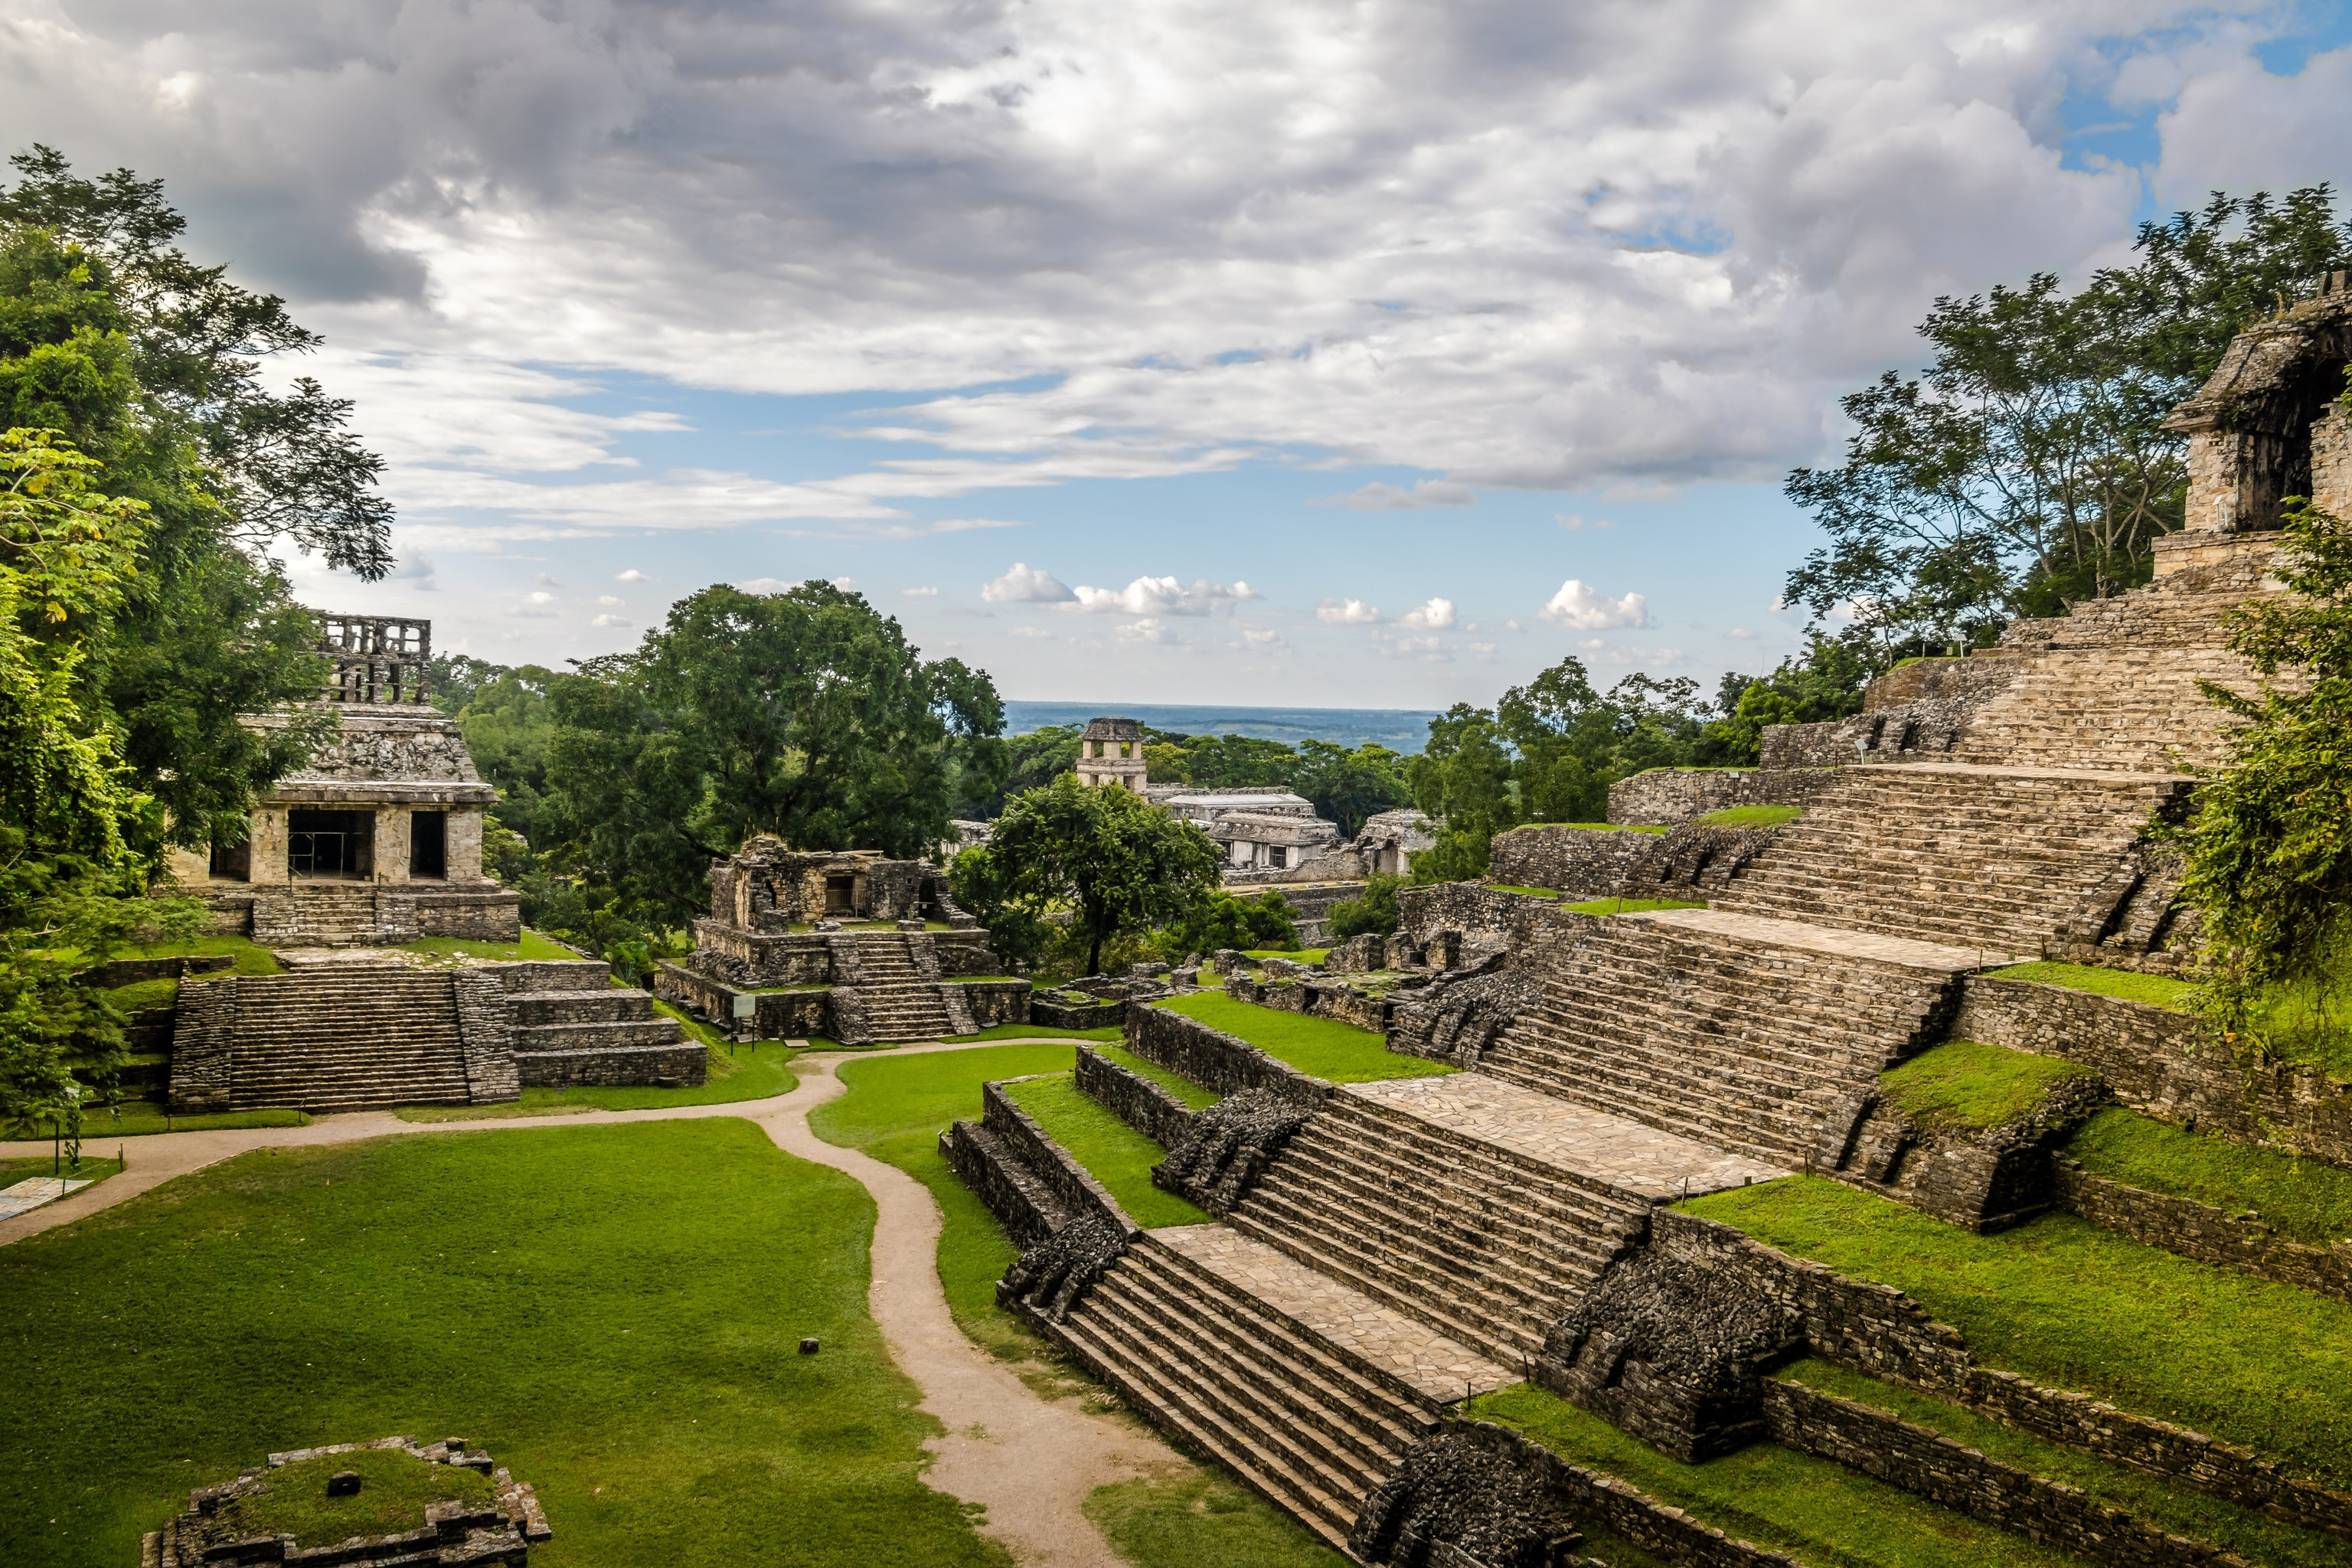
{"x": 1486, "y": 917}
{"x": 1662, "y": 797}
{"x": 1215, "y": 1060}
{"x": 1132, "y": 1098}
{"x": 1588, "y": 862}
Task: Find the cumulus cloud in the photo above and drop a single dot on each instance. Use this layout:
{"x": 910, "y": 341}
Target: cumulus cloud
{"x": 1346, "y": 613}
{"x": 765, "y": 585}
{"x": 1741, "y": 633}
{"x": 610, "y": 623}
{"x": 1587, "y": 608}
{"x": 920, "y": 593}
{"x": 1163, "y": 597}
{"x": 1025, "y": 585}
{"x": 1149, "y": 630}
{"x": 631, "y": 576}
{"x": 1435, "y": 616}
{"x": 1379, "y": 497}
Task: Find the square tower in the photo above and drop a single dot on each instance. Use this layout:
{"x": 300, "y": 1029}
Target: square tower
{"x": 1111, "y": 752}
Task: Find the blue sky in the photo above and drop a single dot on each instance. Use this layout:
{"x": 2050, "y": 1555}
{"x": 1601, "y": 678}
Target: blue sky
{"x": 1329, "y": 354}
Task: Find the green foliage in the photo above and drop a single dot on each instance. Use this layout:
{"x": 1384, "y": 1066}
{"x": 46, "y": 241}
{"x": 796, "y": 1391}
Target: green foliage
{"x": 1816, "y": 1509}
{"x": 2063, "y": 1302}
{"x": 2028, "y": 467}
{"x": 1753, "y": 817}
{"x": 1224, "y": 920}
{"x": 1030, "y": 761}
{"x": 648, "y": 1283}
{"x": 1964, "y": 1084}
{"x": 1320, "y": 1048}
{"x": 1373, "y": 911}
{"x": 2303, "y": 1199}
{"x": 1200, "y": 1520}
{"x": 1114, "y": 862}
{"x": 2269, "y": 849}
{"x": 394, "y": 1490}
{"x": 1825, "y": 683}
{"x": 1625, "y": 906}
{"x": 2157, "y": 990}
{"x": 2169, "y": 1508}
{"x": 1112, "y": 1152}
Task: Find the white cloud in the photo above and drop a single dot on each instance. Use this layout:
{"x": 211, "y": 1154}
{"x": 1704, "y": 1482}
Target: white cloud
{"x": 1346, "y": 613}
{"x": 611, "y": 623}
{"x": 607, "y": 599}
{"x": 631, "y": 576}
{"x": 1741, "y": 634}
{"x": 540, "y": 598}
{"x": 918, "y": 593}
{"x": 1572, "y": 522}
{"x": 1261, "y": 639}
{"x": 1149, "y": 630}
{"x": 764, "y": 585}
{"x": 1030, "y": 632}
{"x": 1593, "y": 645}
{"x": 1435, "y": 616}
{"x": 1163, "y": 597}
{"x": 1589, "y": 609}
{"x": 1379, "y": 497}
{"x": 1022, "y": 585}
{"x": 547, "y": 580}
{"x": 845, "y": 584}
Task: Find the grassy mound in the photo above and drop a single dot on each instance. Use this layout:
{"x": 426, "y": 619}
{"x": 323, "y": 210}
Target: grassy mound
{"x": 2063, "y": 1302}
{"x": 2301, "y": 1199}
{"x": 2132, "y": 987}
{"x": 1963, "y": 1084}
{"x": 1183, "y": 1089}
{"x": 610, "y": 1311}
{"x": 395, "y": 1492}
{"x": 1114, "y": 1153}
{"x": 1629, "y": 906}
{"x": 1816, "y": 1509}
{"x": 1753, "y": 816}
{"x": 532, "y": 946}
{"x": 1321, "y": 1047}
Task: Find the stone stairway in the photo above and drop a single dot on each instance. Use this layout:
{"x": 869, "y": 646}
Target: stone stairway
{"x": 1731, "y": 1030}
{"x": 1306, "y": 1391}
{"x": 555, "y": 1006}
{"x": 896, "y": 999}
{"x": 1486, "y": 1244}
{"x": 333, "y": 914}
{"x": 346, "y": 1037}
{"x": 2001, "y": 861}
{"x": 2113, "y": 684}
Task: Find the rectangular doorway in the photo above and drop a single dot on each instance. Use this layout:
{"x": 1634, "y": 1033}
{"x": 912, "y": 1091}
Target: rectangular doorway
{"x": 428, "y": 844}
{"x": 330, "y": 846}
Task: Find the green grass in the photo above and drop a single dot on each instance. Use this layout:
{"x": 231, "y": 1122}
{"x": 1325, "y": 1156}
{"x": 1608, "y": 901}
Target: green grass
{"x": 1295, "y": 954}
{"x": 895, "y": 1108}
{"x": 693, "y": 1028}
{"x": 92, "y": 1169}
{"x": 2307, "y": 1024}
{"x": 2170, "y": 1508}
{"x": 1753, "y": 816}
{"x": 532, "y": 946}
{"x": 1523, "y": 892}
{"x": 1964, "y": 1084}
{"x": 2062, "y": 1303}
{"x": 1816, "y": 1509}
{"x": 1629, "y": 906}
{"x": 141, "y": 994}
{"x": 147, "y": 1118}
{"x": 1183, "y": 1089}
{"x": 753, "y": 1072}
{"x": 246, "y": 955}
{"x": 1202, "y": 1520}
{"x": 1320, "y": 1048}
{"x": 1037, "y": 1032}
{"x": 610, "y": 1311}
{"x": 395, "y": 1490}
{"x": 2302, "y": 1199}
{"x": 1602, "y": 827}
{"x": 2129, "y": 984}
{"x": 1115, "y": 1154}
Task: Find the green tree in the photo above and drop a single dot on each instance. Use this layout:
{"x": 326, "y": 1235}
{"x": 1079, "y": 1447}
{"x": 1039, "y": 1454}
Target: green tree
{"x": 1244, "y": 924}
{"x": 804, "y": 714}
{"x": 2028, "y": 466}
{"x": 1239, "y": 761}
{"x": 1028, "y": 762}
{"x": 1350, "y": 786}
{"x": 1822, "y": 683}
{"x": 2269, "y": 849}
{"x": 1373, "y": 911}
{"x": 1106, "y": 859}
{"x": 1462, "y": 778}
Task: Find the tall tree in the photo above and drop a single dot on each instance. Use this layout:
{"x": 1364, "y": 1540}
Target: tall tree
{"x": 2028, "y": 467}
{"x": 1109, "y": 860}
{"x": 1350, "y": 786}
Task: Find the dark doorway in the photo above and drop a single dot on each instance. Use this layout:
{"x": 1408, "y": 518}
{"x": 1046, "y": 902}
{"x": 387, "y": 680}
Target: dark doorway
{"x": 331, "y": 845}
{"x": 233, "y": 862}
{"x": 428, "y": 844}
{"x": 840, "y": 895}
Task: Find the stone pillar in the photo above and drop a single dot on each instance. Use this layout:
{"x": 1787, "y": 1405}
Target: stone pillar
{"x": 464, "y": 863}
{"x": 392, "y": 824}
{"x": 2331, "y": 462}
{"x": 269, "y": 844}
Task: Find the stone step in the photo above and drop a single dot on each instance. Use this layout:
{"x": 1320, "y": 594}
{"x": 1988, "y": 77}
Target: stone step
{"x": 643, "y": 1032}
{"x": 614, "y": 1004}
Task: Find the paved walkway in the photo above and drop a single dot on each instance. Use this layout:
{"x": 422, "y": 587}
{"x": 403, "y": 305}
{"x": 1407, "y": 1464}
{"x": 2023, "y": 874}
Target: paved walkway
{"x": 1631, "y": 1156}
{"x": 1030, "y": 1461}
{"x": 1831, "y": 939}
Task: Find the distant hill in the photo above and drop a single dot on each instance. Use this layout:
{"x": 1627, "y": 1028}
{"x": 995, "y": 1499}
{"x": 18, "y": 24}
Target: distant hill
{"x": 1398, "y": 729}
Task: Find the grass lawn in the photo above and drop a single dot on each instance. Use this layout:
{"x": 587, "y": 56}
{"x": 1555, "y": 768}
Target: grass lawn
{"x": 1204, "y": 1520}
{"x": 1963, "y": 1084}
{"x": 2063, "y": 1302}
{"x": 532, "y": 946}
{"x": 1038, "y": 1032}
{"x": 752, "y": 1072}
{"x": 1321, "y": 1047}
{"x": 1183, "y": 1089}
{"x": 246, "y": 955}
{"x": 1295, "y": 954}
{"x": 610, "y": 1311}
{"x": 1523, "y": 892}
{"x": 142, "y": 1118}
{"x": 2299, "y": 1198}
{"x": 1114, "y": 1153}
{"x": 1816, "y": 1509}
{"x": 1753, "y": 816}
{"x": 92, "y": 1170}
{"x": 2129, "y": 984}
{"x": 1630, "y": 906}
{"x": 2169, "y": 1508}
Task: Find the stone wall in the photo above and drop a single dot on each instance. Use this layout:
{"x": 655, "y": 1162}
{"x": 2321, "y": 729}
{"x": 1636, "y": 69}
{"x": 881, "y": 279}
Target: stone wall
{"x": 1068, "y": 1181}
{"x": 995, "y": 1001}
{"x": 480, "y": 997}
{"x": 1588, "y": 862}
{"x": 1485, "y": 916}
{"x": 1217, "y": 1061}
{"x": 1023, "y": 1204}
{"x": 203, "y": 1031}
{"x": 1971, "y": 676}
{"x": 1929, "y": 729}
{"x": 2167, "y": 1064}
{"x": 1880, "y": 1331}
{"x": 1051, "y": 1013}
{"x": 1132, "y": 1098}
{"x": 1931, "y": 1466}
{"x": 1664, "y": 796}
{"x": 1322, "y": 999}
{"x": 682, "y": 1065}
{"x": 2204, "y": 1233}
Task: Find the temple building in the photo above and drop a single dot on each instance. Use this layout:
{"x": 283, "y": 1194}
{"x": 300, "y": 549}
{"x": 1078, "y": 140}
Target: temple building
{"x": 378, "y": 839}
{"x": 1110, "y": 752}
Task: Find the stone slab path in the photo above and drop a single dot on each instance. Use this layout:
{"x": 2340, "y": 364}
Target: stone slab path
{"x": 34, "y": 1191}
{"x": 1417, "y": 1355}
{"x": 1632, "y": 1157}
{"x": 1900, "y": 949}
{"x": 1028, "y": 1460}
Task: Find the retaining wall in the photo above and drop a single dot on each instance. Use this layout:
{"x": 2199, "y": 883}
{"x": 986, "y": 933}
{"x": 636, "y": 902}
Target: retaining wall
{"x": 1068, "y": 1181}
{"x": 685, "y": 1063}
{"x": 1215, "y": 1060}
{"x": 2203, "y": 1232}
{"x": 1664, "y": 796}
{"x": 1486, "y": 916}
{"x": 1590, "y": 862}
{"x": 1022, "y": 1204}
{"x": 1133, "y": 1098}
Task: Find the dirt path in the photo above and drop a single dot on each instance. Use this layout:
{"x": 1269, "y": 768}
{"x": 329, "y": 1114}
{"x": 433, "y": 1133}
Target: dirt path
{"x": 1029, "y": 1461}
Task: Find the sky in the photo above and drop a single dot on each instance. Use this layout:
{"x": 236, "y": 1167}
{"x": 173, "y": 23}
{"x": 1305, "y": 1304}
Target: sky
{"x": 1345, "y": 352}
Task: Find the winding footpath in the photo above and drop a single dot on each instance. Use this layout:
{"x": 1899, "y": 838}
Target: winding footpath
{"x": 1030, "y": 1461}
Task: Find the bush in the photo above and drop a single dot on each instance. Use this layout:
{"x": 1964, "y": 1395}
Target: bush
{"x": 1373, "y": 911}
{"x": 1224, "y": 920}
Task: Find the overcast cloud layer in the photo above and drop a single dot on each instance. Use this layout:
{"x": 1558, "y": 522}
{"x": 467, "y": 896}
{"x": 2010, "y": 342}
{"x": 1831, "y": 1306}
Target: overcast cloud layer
{"x": 1445, "y": 254}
